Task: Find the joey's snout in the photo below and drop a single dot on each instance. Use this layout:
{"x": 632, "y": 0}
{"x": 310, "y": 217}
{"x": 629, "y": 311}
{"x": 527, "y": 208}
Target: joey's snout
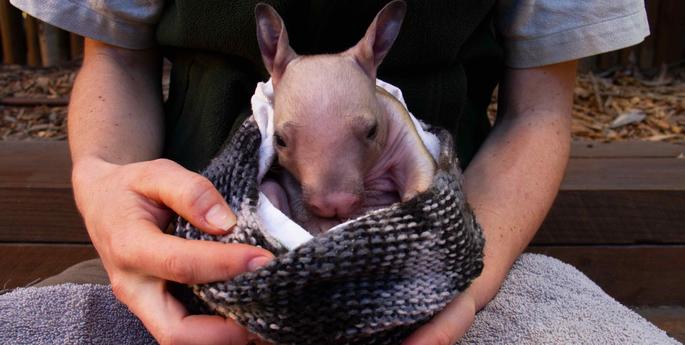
{"x": 339, "y": 204}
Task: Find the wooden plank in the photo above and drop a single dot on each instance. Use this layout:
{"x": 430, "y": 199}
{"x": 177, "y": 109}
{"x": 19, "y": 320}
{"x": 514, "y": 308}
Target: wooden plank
{"x": 12, "y": 31}
{"x": 605, "y": 217}
{"x": 625, "y": 149}
{"x": 36, "y": 200}
{"x": 23, "y": 264}
{"x": 634, "y": 275}
{"x": 43, "y": 215}
{"x": 48, "y": 162}
{"x": 656, "y": 174}
{"x": 669, "y": 318}
{"x": 619, "y": 193}
{"x": 35, "y": 164}
{"x": 615, "y": 217}
{"x": 602, "y": 201}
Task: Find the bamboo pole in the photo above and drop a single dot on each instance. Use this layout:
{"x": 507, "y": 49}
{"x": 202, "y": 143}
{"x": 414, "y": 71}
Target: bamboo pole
{"x": 54, "y": 44}
{"x": 75, "y": 46}
{"x": 669, "y": 41}
{"x": 32, "y": 44}
{"x": 12, "y": 31}
{"x": 646, "y": 49}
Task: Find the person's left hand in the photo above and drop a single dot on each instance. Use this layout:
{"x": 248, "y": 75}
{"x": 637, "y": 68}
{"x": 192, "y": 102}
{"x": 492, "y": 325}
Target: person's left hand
{"x": 449, "y": 325}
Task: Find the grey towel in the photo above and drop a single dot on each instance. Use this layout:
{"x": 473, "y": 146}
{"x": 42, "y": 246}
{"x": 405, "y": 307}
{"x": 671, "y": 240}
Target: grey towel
{"x": 543, "y": 301}
{"x": 68, "y": 314}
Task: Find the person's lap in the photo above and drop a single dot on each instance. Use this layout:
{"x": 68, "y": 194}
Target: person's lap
{"x": 542, "y": 300}
{"x": 86, "y": 272}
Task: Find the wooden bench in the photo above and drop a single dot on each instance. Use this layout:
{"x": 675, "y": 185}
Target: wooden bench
{"x": 619, "y": 218}
{"x": 41, "y": 232}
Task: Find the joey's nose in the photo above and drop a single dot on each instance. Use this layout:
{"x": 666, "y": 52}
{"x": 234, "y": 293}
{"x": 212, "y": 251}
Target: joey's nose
{"x": 336, "y": 204}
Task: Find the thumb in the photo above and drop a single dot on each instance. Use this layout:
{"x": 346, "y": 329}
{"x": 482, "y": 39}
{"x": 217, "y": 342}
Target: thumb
{"x": 189, "y": 194}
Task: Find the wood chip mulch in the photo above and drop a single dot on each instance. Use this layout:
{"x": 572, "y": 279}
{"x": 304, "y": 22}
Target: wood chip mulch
{"x": 627, "y": 106}
{"x": 39, "y": 122}
{"x": 620, "y": 106}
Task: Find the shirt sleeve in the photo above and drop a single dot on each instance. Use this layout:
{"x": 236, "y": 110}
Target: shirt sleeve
{"x": 128, "y": 24}
{"x": 543, "y": 32}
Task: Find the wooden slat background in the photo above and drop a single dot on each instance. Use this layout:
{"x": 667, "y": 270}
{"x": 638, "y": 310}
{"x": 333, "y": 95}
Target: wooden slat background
{"x": 620, "y": 193}
{"x": 23, "y": 264}
{"x": 633, "y": 275}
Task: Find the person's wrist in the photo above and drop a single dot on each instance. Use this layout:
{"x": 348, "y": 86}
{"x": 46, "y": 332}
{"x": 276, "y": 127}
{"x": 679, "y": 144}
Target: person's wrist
{"x": 86, "y": 169}
{"x": 469, "y": 301}
{"x": 486, "y": 286}
{"x": 89, "y": 176}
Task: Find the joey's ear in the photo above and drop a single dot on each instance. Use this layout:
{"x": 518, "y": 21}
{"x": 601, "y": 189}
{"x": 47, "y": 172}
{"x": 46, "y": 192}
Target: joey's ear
{"x": 273, "y": 41}
{"x": 379, "y": 37}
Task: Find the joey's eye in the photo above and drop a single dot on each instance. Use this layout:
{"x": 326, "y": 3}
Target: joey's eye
{"x": 372, "y": 132}
{"x": 279, "y": 141}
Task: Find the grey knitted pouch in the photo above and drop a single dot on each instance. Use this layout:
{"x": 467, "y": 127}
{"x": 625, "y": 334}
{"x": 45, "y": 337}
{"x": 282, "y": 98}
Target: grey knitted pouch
{"x": 373, "y": 280}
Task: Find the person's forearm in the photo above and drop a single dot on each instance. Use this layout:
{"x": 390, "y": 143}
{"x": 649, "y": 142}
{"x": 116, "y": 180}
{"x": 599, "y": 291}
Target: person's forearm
{"x": 126, "y": 198}
{"x": 115, "y": 113}
{"x": 514, "y": 178}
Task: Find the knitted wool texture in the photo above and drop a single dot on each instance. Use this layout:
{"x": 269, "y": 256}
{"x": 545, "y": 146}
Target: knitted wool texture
{"x": 370, "y": 281}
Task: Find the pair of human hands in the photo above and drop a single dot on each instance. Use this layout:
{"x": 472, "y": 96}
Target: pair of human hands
{"x": 126, "y": 206}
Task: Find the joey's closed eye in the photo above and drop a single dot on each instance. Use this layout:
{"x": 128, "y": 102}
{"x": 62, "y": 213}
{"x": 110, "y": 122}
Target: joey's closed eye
{"x": 372, "y": 131}
{"x": 278, "y": 139}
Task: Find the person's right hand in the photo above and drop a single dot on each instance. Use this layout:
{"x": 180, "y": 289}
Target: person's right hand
{"x": 125, "y": 207}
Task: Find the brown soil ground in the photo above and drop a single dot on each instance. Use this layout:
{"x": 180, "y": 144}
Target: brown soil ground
{"x": 619, "y": 106}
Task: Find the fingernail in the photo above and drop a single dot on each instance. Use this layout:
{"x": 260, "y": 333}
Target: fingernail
{"x": 219, "y": 218}
{"x": 257, "y": 263}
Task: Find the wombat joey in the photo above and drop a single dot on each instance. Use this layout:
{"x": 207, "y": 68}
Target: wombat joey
{"x": 345, "y": 145}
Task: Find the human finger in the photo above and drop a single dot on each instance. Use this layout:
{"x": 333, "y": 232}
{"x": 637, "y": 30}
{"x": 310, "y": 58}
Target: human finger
{"x": 169, "y": 322}
{"x": 186, "y": 261}
{"x": 189, "y": 194}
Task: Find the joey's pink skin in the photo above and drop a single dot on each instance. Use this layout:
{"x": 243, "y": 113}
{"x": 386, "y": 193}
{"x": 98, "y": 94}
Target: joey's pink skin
{"x": 346, "y": 145}
{"x": 405, "y": 165}
{"x": 403, "y": 168}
